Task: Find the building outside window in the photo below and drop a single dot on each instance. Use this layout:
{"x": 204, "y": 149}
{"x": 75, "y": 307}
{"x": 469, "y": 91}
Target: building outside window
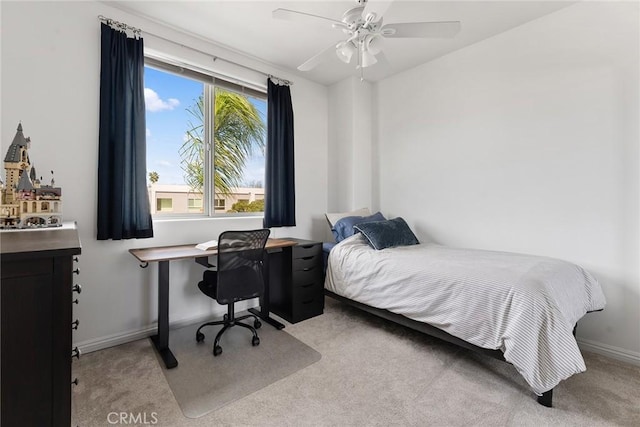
{"x": 205, "y": 143}
{"x": 164, "y": 205}
{"x": 195, "y": 205}
{"x": 220, "y": 205}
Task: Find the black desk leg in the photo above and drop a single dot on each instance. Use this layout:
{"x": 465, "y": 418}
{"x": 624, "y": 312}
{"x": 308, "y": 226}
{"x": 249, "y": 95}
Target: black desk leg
{"x": 264, "y": 299}
{"x": 161, "y": 340}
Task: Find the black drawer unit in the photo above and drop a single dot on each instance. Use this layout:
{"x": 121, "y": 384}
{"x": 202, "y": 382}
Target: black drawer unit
{"x": 35, "y": 334}
{"x": 296, "y": 283}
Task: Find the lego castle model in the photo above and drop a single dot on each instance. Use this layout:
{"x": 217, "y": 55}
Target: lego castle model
{"x": 24, "y": 201}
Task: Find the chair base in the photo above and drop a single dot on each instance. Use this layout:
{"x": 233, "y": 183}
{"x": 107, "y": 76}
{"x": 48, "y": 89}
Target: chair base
{"x": 229, "y": 320}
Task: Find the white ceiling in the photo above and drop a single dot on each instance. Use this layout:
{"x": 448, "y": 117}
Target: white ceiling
{"x": 247, "y": 26}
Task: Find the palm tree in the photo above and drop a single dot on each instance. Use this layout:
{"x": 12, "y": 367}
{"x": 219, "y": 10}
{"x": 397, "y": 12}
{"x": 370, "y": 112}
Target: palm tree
{"x": 153, "y": 177}
{"x": 238, "y": 131}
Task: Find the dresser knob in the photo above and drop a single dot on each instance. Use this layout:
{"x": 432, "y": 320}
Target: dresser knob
{"x": 75, "y": 353}
{"x": 77, "y": 288}
{"x": 75, "y": 259}
{"x": 76, "y": 271}
{"x": 75, "y": 381}
{"x": 75, "y": 324}
{"x": 75, "y": 301}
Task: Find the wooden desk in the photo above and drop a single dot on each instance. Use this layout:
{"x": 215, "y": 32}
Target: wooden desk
{"x": 163, "y": 255}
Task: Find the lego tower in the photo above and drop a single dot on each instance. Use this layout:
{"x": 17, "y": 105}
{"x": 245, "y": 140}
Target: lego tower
{"x": 24, "y": 201}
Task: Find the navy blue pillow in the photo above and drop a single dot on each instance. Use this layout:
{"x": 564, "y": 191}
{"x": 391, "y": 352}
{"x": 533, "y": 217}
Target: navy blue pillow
{"x": 343, "y": 228}
{"x": 387, "y": 234}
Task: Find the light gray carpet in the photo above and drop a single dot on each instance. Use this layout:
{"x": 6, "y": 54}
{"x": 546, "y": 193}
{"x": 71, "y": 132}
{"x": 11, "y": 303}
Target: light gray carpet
{"x": 202, "y": 383}
{"x": 372, "y": 373}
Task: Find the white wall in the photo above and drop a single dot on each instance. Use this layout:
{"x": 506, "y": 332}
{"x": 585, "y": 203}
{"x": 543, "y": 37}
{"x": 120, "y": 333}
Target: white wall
{"x": 350, "y": 129}
{"x": 528, "y": 142}
{"x": 50, "y": 82}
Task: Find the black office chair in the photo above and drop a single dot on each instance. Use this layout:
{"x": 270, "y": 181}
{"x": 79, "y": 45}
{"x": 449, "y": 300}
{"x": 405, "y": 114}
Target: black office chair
{"x": 239, "y": 276}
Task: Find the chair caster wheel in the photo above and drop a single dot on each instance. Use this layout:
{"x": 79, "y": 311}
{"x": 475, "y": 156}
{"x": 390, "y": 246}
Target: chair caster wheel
{"x": 199, "y": 336}
{"x": 255, "y": 341}
{"x": 217, "y": 350}
{"x": 257, "y": 324}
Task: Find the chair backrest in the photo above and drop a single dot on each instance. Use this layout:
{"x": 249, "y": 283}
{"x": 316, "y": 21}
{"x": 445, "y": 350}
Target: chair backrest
{"x": 240, "y": 264}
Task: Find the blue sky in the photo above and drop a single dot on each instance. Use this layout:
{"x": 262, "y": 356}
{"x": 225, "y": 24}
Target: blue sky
{"x": 167, "y": 98}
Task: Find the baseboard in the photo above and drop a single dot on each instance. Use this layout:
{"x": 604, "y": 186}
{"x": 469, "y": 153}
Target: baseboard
{"x": 613, "y": 352}
{"x": 101, "y": 343}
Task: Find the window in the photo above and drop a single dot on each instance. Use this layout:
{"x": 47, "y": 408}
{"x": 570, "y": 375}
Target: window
{"x": 205, "y": 141}
{"x": 164, "y": 205}
{"x": 195, "y": 205}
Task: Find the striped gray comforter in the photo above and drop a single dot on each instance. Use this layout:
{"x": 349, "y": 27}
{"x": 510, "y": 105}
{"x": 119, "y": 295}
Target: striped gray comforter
{"x": 524, "y": 305}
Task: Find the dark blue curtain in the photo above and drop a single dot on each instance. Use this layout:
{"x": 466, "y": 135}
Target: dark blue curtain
{"x": 280, "y": 196}
{"x": 123, "y": 202}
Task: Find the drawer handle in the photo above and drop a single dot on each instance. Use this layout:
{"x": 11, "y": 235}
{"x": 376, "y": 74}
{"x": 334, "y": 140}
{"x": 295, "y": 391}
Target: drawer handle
{"x": 75, "y": 324}
{"x": 76, "y": 271}
{"x": 75, "y": 301}
{"x": 308, "y": 285}
{"x": 307, "y": 246}
{"x": 74, "y": 382}
{"x": 77, "y": 288}
{"x": 307, "y": 269}
{"x": 75, "y": 353}
{"x": 307, "y": 258}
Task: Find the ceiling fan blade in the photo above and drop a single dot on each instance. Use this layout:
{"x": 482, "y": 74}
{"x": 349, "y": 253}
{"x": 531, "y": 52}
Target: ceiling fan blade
{"x": 444, "y": 29}
{"x": 315, "y": 60}
{"x": 294, "y": 15}
{"x": 379, "y": 7}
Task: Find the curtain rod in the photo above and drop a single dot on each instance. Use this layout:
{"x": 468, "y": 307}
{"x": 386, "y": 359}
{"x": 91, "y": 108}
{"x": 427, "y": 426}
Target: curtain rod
{"x": 137, "y": 31}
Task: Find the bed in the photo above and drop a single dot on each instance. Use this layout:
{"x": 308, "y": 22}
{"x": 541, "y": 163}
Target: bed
{"x": 519, "y": 308}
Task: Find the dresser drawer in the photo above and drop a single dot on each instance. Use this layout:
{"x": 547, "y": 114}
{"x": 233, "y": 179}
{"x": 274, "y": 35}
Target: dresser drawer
{"x": 27, "y": 267}
{"x": 307, "y": 303}
{"x": 304, "y": 291}
{"x": 308, "y": 250}
{"x": 306, "y": 263}
{"x": 304, "y": 277}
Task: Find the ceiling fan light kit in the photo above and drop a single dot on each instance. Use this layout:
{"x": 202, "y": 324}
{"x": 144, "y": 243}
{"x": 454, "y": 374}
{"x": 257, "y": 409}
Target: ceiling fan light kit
{"x": 365, "y": 32}
{"x": 367, "y": 59}
{"x": 344, "y": 51}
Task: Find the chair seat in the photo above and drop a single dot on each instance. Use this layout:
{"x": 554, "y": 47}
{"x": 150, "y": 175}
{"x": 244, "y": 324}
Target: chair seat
{"x": 209, "y": 283}
{"x": 244, "y": 278}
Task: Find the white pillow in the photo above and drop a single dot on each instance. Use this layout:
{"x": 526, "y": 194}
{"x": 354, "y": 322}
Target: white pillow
{"x": 335, "y": 217}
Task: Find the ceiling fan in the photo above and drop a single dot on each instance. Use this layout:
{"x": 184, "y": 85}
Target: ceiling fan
{"x": 365, "y": 32}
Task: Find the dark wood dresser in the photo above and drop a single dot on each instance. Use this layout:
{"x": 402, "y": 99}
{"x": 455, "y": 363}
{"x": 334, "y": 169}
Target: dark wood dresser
{"x": 36, "y": 325}
{"x": 296, "y": 283}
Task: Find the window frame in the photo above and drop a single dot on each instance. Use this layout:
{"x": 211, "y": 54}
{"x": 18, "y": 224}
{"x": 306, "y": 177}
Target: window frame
{"x": 210, "y": 81}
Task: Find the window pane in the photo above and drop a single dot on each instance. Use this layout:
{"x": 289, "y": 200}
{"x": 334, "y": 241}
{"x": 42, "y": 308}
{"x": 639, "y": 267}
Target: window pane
{"x": 174, "y": 141}
{"x": 240, "y": 139}
{"x": 164, "y": 204}
{"x": 220, "y": 205}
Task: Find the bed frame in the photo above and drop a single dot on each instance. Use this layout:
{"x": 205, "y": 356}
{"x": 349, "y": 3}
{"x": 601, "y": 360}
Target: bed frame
{"x": 545, "y": 399}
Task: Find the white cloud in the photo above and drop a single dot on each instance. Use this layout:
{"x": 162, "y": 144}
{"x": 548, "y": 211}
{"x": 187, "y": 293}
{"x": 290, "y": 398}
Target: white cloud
{"x": 153, "y": 102}
{"x": 148, "y": 132}
{"x": 163, "y": 163}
